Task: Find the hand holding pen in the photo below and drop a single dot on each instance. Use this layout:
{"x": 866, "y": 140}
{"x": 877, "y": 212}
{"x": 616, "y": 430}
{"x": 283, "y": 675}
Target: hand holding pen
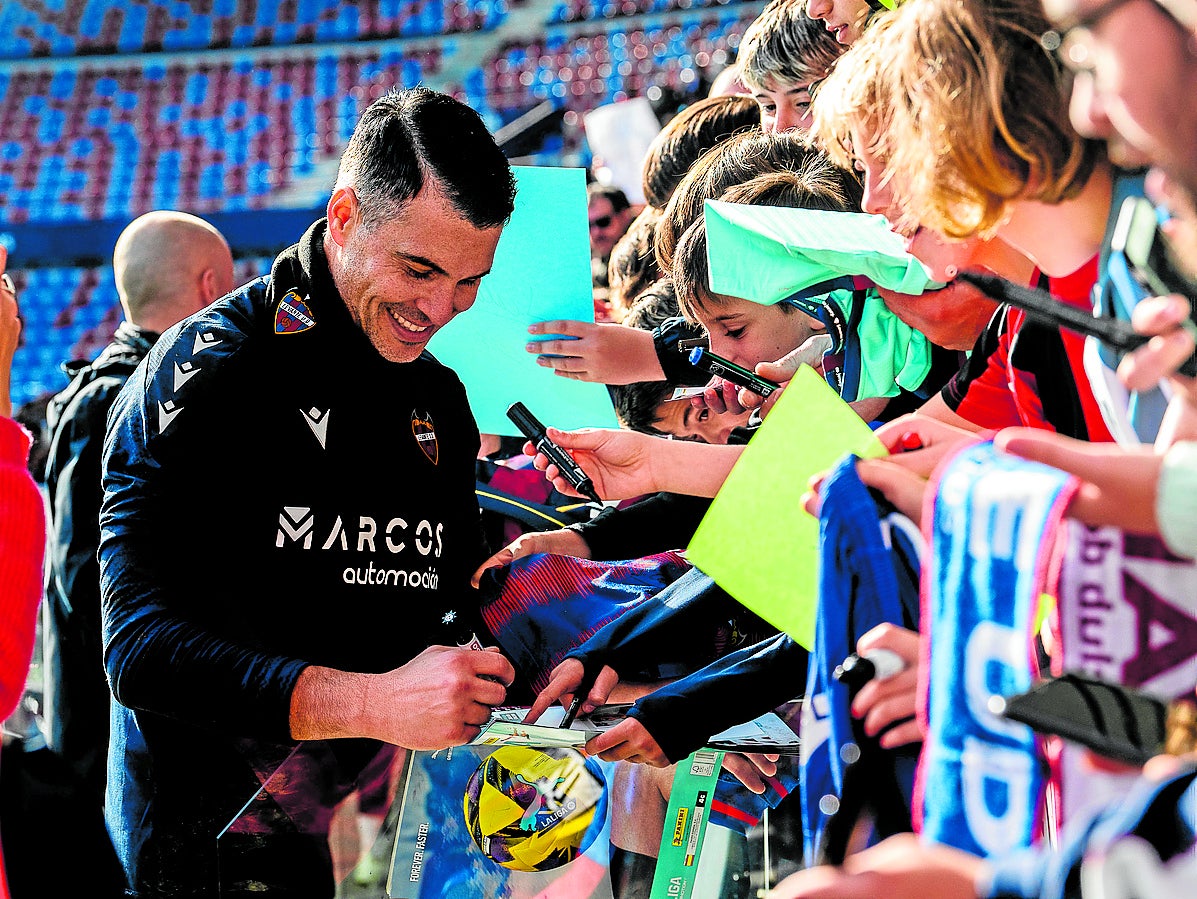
{"x": 716, "y": 366}
{"x": 580, "y": 695}
{"x": 723, "y": 393}
{"x": 887, "y": 701}
{"x": 619, "y": 462}
{"x": 868, "y": 786}
{"x": 567, "y": 468}
{"x": 570, "y": 679}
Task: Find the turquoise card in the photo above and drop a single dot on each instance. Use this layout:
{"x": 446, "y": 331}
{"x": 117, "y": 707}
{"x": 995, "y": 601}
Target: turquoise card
{"x": 541, "y": 272}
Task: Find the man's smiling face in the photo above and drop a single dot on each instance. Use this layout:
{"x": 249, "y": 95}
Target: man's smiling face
{"x": 404, "y": 279}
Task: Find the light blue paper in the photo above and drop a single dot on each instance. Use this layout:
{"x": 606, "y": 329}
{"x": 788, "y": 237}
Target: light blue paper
{"x": 541, "y": 272}
{"x": 767, "y": 253}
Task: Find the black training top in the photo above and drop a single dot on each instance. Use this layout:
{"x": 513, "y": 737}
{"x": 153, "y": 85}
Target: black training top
{"x": 276, "y": 495}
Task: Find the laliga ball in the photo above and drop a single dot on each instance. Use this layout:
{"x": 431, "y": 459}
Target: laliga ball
{"x": 534, "y": 809}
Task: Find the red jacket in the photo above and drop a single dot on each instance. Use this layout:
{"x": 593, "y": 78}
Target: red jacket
{"x": 22, "y": 548}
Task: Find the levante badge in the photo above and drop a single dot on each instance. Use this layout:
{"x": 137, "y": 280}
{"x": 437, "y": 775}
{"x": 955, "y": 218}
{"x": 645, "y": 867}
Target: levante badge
{"x": 424, "y": 432}
{"x": 293, "y": 314}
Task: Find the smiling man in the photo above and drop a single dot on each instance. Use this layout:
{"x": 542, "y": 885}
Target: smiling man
{"x": 290, "y": 524}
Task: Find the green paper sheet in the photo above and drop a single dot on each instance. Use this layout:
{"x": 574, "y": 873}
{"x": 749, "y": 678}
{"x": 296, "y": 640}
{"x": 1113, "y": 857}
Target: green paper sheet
{"x": 756, "y": 540}
{"x": 541, "y": 272}
{"x": 767, "y": 253}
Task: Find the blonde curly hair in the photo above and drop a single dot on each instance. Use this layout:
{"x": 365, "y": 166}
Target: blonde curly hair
{"x": 964, "y": 107}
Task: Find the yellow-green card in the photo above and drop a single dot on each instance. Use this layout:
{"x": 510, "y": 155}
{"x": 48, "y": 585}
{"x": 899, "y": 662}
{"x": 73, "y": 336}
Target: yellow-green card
{"x": 757, "y": 541}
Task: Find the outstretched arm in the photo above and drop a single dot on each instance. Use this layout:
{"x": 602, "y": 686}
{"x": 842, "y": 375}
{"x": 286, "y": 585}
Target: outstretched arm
{"x": 625, "y": 464}
{"x": 601, "y": 353}
{"x": 1118, "y": 483}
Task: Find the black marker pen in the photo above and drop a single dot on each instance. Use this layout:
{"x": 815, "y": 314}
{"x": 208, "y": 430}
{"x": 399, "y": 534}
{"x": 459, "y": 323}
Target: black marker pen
{"x": 571, "y": 713}
{"x": 580, "y": 693}
{"x": 1042, "y": 306}
{"x": 857, "y": 670}
{"x": 535, "y": 432}
{"x": 703, "y": 359}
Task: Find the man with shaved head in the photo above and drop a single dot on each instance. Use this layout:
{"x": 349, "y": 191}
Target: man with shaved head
{"x": 167, "y": 265}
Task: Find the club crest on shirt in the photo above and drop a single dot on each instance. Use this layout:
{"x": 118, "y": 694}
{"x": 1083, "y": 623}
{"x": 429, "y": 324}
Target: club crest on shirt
{"x": 425, "y": 433}
{"x": 293, "y": 314}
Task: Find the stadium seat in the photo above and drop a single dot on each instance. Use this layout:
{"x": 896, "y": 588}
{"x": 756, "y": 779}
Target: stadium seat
{"x": 238, "y": 101}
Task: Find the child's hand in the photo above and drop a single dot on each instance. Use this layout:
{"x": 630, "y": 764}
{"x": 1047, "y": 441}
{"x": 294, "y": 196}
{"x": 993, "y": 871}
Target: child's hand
{"x": 782, "y": 370}
{"x": 599, "y": 353}
{"x": 720, "y": 396}
{"x": 567, "y": 678}
{"x": 1118, "y": 484}
{"x": 918, "y": 442}
{"x": 890, "y": 702}
{"x": 628, "y": 741}
{"x": 561, "y": 542}
{"x": 751, "y": 769}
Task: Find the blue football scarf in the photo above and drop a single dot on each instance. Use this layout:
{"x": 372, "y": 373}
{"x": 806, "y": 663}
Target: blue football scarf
{"x": 1126, "y": 613}
{"x": 862, "y": 554}
{"x": 991, "y": 529}
{"x": 541, "y": 606}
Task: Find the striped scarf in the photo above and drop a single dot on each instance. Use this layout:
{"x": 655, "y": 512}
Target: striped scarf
{"x": 990, "y": 530}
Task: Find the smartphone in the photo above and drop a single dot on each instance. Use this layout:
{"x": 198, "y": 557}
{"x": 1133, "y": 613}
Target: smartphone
{"x": 1152, "y": 262}
{"x": 1112, "y": 720}
{"x": 1138, "y": 237}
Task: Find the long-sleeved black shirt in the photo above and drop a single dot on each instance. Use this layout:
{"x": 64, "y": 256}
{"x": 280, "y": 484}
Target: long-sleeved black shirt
{"x": 277, "y": 495}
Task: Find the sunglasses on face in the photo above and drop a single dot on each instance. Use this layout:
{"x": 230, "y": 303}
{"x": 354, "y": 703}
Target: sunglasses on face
{"x": 603, "y": 221}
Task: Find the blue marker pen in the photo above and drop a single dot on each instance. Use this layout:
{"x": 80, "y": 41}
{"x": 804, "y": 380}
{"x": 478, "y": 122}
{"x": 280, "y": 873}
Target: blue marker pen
{"x": 704, "y": 360}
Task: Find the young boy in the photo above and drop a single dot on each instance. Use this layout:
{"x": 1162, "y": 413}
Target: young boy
{"x": 649, "y": 406}
{"x": 895, "y": 362}
{"x": 783, "y": 56}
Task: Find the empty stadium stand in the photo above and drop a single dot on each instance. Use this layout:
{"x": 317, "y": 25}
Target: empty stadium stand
{"x": 241, "y": 107}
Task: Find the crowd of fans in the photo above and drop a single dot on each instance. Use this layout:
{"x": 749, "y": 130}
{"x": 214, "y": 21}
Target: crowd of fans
{"x": 1001, "y": 138}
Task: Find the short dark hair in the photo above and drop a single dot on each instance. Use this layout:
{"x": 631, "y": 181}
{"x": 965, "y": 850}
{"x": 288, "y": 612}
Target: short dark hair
{"x": 816, "y": 184}
{"x": 734, "y": 161}
{"x": 636, "y": 404}
{"x": 409, "y": 135}
{"x": 784, "y": 45}
{"x": 688, "y": 135}
{"x": 619, "y": 199}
